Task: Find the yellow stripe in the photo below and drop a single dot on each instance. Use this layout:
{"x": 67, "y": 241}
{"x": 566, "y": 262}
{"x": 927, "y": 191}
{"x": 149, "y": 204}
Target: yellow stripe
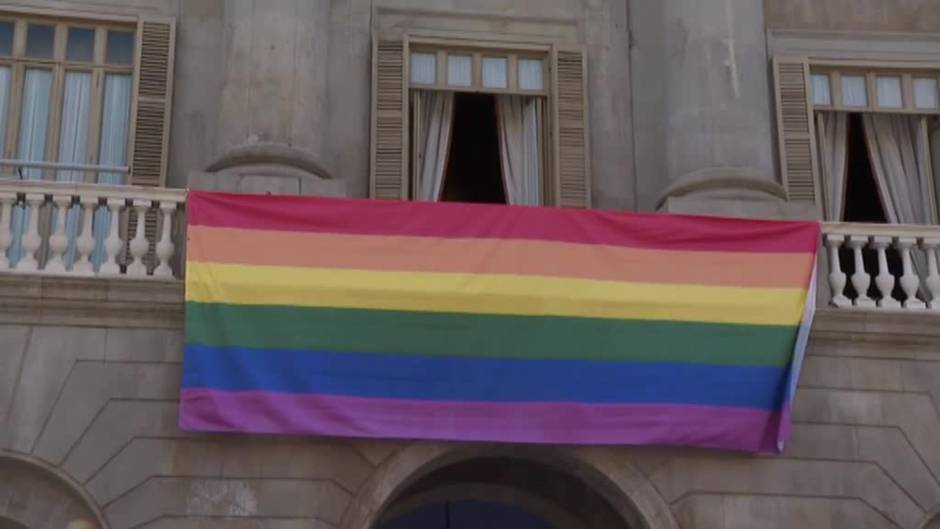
{"x": 489, "y": 294}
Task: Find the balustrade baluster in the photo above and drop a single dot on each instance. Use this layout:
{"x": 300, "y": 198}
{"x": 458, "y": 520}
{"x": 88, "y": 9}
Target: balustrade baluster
{"x": 861, "y": 280}
{"x": 165, "y": 247}
{"x": 837, "y": 277}
{"x": 58, "y": 241}
{"x": 910, "y": 281}
{"x": 933, "y": 275}
{"x": 7, "y": 200}
{"x": 139, "y": 244}
{"x": 113, "y": 244}
{"x": 32, "y": 240}
{"x": 85, "y": 243}
{"x": 885, "y": 279}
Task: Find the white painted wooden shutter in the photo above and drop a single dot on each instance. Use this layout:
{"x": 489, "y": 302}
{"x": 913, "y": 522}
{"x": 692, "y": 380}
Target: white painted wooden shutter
{"x": 795, "y": 129}
{"x": 389, "y": 167}
{"x": 570, "y": 128}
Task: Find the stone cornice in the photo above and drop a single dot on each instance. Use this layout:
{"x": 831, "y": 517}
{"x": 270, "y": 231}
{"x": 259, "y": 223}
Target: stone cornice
{"x": 90, "y": 302}
{"x": 98, "y": 302}
{"x": 897, "y": 328}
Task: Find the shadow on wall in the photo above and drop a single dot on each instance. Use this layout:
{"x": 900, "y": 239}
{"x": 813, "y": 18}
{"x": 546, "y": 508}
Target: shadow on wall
{"x": 499, "y": 492}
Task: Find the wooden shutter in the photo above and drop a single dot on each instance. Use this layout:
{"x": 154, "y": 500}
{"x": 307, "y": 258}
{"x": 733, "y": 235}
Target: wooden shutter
{"x": 389, "y": 168}
{"x": 150, "y": 127}
{"x": 152, "y": 101}
{"x": 570, "y": 128}
{"x": 795, "y": 129}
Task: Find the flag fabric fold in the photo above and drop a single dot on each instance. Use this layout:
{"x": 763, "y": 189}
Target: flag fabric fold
{"x": 416, "y": 320}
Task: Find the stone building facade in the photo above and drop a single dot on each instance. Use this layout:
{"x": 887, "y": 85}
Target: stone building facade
{"x": 682, "y": 112}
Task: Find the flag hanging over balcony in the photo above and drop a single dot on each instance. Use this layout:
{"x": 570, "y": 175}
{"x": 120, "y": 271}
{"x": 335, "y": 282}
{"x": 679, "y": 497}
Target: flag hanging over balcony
{"x": 451, "y": 321}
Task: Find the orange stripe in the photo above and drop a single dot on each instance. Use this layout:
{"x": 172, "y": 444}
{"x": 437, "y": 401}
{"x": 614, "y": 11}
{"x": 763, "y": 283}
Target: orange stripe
{"x": 496, "y": 256}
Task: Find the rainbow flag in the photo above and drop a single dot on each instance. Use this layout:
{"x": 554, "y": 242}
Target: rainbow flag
{"x": 414, "y": 320}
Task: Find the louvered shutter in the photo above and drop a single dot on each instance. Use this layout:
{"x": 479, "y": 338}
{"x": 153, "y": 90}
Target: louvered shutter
{"x": 795, "y": 129}
{"x": 150, "y": 129}
{"x": 389, "y": 166}
{"x": 570, "y": 128}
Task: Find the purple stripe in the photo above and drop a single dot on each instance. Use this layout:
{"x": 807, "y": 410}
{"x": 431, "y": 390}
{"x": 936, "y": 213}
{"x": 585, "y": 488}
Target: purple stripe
{"x": 560, "y": 423}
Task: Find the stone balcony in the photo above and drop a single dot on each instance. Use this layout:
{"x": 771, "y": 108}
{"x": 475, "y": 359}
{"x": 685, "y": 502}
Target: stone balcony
{"x": 118, "y": 251}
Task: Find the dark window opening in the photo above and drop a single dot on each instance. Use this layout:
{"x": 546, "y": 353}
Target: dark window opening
{"x": 863, "y": 204}
{"x": 473, "y": 172}
{"x": 862, "y": 198}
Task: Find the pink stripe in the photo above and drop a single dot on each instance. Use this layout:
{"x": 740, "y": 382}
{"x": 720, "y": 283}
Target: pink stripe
{"x": 491, "y": 221}
{"x": 558, "y": 423}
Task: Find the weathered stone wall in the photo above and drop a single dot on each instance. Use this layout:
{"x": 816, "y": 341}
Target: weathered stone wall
{"x": 99, "y": 406}
{"x": 854, "y": 15}
{"x": 298, "y": 73}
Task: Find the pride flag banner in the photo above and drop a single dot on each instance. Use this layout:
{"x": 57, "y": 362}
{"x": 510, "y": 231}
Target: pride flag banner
{"x": 411, "y": 320}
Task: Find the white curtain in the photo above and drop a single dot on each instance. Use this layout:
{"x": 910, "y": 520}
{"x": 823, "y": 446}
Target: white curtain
{"x": 900, "y": 160}
{"x": 4, "y": 101}
{"x": 73, "y": 141}
{"x": 31, "y": 144}
{"x": 520, "y": 131}
{"x": 433, "y": 120}
{"x": 115, "y": 121}
{"x": 832, "y": 133}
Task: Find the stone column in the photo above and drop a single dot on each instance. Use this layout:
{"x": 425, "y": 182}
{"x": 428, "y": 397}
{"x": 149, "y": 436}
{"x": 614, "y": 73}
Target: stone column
{"x": 273, "y": 115}
{"x": 276, "y": 58}
{"x": 718, "y": 111}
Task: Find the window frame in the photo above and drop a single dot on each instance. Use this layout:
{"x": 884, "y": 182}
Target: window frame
{"x": 18, "y": 62}
{"x": 441, "y": 48}
{"x": 871, "y": 70}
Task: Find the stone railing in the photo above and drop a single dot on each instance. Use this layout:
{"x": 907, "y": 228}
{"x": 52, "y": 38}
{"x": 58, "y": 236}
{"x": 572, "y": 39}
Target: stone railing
{"x": 70, "y": 229}
{"x": 882, "y": 266}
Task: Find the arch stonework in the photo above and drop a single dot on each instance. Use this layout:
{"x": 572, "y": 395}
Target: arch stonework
{"x": 933, "y": 519}
{"x": 613, "y": 476}
{"x": 38, "y": 496}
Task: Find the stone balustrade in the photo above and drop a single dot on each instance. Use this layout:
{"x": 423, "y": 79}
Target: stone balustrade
{"x": 78, "y": 229}
{"x": 882, "y": 266}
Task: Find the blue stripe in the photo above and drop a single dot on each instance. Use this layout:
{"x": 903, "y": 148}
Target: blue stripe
{"x": 481, "y": 379}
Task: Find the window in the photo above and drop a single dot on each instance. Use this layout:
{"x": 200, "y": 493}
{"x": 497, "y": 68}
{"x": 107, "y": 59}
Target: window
{"x": 479, "y": 122}
{"x": 85, "y": 100}
{"x": 477, "y": 127}
{"x": 856, "y": 139}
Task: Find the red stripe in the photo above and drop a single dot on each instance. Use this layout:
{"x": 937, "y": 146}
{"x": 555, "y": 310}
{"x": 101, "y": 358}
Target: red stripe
{"x": 456, "y": 220}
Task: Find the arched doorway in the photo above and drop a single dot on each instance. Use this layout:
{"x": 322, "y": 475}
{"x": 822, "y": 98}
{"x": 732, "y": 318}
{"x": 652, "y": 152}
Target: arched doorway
{"x": 33, "y": 496}
{"x": 500, "y": 492}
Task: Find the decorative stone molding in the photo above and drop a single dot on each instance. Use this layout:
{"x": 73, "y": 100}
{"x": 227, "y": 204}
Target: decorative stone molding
{"x": 886, "y": 330}
{"x": 724, "y": 182}
{"x": 613, "y": 477}
{"x": 268, "y": 168}
{"x": 269, "y": 154}
{"x": 31, "y": 480}
{"x": 731, "y": 192}
{"x": 90, "y": 302}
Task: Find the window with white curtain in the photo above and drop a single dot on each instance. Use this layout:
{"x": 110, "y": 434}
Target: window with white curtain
{"x": 500, "y": 97}
{"x": 65, "y": 96}
{"x": 876, "y": 129}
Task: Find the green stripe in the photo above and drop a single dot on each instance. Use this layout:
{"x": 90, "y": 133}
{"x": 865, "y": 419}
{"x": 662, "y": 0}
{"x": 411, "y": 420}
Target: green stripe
{"x": 391, "y": 332}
